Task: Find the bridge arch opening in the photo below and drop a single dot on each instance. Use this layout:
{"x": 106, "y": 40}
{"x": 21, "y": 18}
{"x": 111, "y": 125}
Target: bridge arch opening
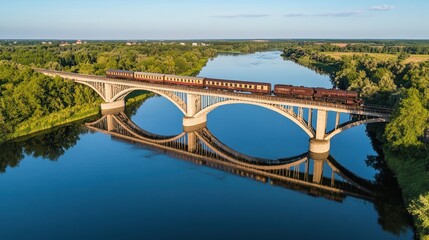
{"x": 283, "y": 112}
{"x": 158, "y": 114}
{"x": 257, "y": 131}
{"x": 124, "y": 93}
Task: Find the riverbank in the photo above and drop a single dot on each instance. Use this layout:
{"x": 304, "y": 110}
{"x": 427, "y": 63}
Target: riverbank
{"x": 66, "y": 116}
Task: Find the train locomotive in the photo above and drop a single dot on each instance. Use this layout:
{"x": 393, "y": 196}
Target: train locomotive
{"x": 280, "y": 90}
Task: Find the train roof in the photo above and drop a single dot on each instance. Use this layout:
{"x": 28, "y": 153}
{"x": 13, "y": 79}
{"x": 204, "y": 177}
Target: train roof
{"x": 148, "y": 73}
{"x": 236, "y": 81}
{"x": 117, "y": 70}
{"x": 187, "y": 77}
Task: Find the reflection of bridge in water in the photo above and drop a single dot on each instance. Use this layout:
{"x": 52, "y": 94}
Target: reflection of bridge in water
{"x": 315, "y": 174}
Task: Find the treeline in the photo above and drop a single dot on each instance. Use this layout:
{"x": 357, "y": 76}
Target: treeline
{"x": 402, "y": 86}
{"x": 365, "y": 46}
{"x": 96, "y": 58}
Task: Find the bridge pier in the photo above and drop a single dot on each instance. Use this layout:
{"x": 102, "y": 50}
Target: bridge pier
{"x": 191, "y": 124}
{"x": 112, "y": 107}
{"x": 193, "y": 106}
{"x": 318, "y": 144}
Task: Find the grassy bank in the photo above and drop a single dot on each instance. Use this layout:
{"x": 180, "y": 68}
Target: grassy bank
{"x": 68, "y": 115}
{"x": 65, "y": 116}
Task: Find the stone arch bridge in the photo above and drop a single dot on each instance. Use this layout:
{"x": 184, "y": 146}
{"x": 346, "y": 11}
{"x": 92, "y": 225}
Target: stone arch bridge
{"x": 196, "y": 103}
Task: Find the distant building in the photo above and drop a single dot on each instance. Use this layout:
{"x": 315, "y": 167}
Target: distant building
{"x": 194, "y": 44}
{"x": 182, "y": 44}
{"x": 78, "y": 42}
{"x": 64, "y": 44}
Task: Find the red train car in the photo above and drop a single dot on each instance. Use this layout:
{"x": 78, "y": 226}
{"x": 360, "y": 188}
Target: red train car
{"x": 293, "y": 91}
{"x": 337, "y": 96}
{"x": 111, "y": 73}
{"x": 231, "y": 85}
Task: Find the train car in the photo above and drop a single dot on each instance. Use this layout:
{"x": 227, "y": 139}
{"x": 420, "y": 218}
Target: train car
{"x": 230, "y": 85}
{"x": 337, "y": 96}
{"x": 293, "y": 91}
{"x": 184, "y": 80}
{"x": 149, "y": 77}
{"x": 124, "y": 74}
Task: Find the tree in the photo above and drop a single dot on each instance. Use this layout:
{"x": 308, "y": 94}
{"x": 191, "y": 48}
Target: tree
{"x": 408, "y": 121}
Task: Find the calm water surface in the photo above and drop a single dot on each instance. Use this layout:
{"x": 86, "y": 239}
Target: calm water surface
{"x": 97, "y": 187}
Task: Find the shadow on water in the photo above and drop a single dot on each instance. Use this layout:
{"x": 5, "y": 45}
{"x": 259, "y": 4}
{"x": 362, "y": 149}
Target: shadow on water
{"x": 50, "y": 144}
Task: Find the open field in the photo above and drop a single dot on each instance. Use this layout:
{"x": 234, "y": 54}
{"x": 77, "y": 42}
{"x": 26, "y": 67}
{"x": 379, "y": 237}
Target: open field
{"x": 380, "y": 56}
{"x": 416, "y": 58}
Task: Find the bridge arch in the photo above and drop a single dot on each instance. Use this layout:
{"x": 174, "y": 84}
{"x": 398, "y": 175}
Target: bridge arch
{"x": 122, "y": 94}
{"x": 349, "y": 125}
{"x": 93, "y": 88}
{"x": 300, "y": 122}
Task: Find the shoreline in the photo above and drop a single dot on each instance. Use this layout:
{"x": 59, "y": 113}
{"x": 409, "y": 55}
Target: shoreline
{"x": 64, "y": 117}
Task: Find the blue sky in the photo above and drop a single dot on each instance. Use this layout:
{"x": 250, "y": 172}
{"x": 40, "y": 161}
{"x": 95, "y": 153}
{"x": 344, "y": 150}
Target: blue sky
{"x": 217, "y": 19}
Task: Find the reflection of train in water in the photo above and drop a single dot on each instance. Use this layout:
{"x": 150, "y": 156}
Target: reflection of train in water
{"x": 280, "y": 90}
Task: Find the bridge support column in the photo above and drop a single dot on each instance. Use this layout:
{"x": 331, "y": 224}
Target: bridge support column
{"x": 319, "y": 160}
{"x": 319, "y": 144}
{"x": 193, "y": 106}
{"x": 318, "y": 170}
{"x": 192, "y": 142}
{"x": 112, "y": 107}
{"x": 110, "y": 123}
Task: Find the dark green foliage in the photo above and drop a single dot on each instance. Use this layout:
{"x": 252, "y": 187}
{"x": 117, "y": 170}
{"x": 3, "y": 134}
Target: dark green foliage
{"x": 409, "y": 121}
{"x": 27, "y": 95}
{"x": 50, "y": 145}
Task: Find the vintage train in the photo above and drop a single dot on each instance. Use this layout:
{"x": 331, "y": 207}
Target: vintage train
{"x": 280, "y": 90}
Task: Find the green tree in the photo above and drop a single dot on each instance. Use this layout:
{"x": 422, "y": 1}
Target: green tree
{"x": 408, "y": 121}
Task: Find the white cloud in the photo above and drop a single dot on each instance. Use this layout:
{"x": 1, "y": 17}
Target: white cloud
{"x": 382, "y": 8}
{"x": 327, "y": 14}
{"x": 294, "y": 15}
{"x": 241, "y": 16}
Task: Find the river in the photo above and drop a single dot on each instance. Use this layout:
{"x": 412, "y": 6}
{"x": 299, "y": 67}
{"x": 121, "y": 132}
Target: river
{"x": 72, "y": 183}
